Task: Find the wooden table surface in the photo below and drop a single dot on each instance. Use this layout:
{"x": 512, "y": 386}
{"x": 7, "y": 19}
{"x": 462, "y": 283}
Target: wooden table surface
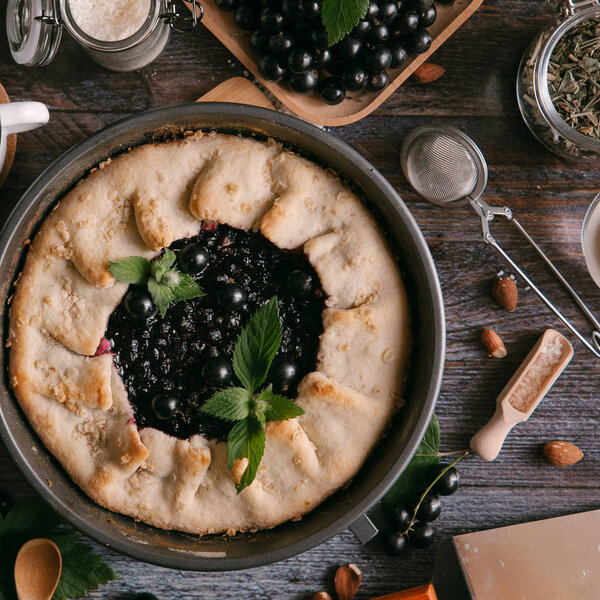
{"x": 550, "y": 196}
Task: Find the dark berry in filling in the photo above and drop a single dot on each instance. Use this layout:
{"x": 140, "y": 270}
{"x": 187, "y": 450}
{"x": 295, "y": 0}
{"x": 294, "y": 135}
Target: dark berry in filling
{"x": 171, "y": 366}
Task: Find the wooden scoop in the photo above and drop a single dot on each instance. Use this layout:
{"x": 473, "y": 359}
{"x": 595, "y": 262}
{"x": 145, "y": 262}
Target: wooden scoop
{"x": 37, "y": 569}
{"x": 525, "y": 390}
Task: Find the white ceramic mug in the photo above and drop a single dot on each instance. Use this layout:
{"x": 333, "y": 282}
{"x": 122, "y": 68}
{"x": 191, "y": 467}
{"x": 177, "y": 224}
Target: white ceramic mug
{"x": 16, "y": 117}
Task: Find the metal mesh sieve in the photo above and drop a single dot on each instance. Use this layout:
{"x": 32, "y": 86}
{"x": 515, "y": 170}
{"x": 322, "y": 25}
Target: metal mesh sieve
{"x": 440, "y": 167}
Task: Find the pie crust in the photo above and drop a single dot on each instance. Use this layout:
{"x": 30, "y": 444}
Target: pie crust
{"x": 140, "y": 202}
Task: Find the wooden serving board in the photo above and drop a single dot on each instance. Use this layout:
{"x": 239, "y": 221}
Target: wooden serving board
{"x": 357, "y": 104}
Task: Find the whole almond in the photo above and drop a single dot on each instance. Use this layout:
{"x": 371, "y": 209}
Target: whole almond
{"x": 504, "y": 290}
{"x": 320, "y": 596}
{"x": 428, "y": 72}
{"x": 347, "y": 581}
{"x": 493, "y": 343}
{"x": 562, "y": 454}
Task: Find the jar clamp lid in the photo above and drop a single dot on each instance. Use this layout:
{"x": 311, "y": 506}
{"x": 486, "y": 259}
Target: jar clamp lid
{"x": 35, "y": 27}
{"x": 33, "y": 33}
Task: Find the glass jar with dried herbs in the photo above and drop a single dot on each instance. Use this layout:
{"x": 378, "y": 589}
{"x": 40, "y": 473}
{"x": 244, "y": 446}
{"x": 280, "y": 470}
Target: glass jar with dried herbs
{"x": 558, "y": 86}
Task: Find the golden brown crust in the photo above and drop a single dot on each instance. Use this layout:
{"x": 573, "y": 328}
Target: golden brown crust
{"x": 140, "y": 202}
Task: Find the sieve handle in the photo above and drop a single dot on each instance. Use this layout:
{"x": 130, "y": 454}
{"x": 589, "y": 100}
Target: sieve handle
{"x": 487, "y": 214}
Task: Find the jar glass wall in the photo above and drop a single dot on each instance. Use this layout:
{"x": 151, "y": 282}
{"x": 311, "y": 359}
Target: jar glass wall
{"x": 535, "y": 102}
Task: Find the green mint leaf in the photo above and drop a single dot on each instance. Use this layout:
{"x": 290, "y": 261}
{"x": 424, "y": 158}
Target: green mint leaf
{"x": 341, "y": 16}
{"x": 134, "y": 269}
{"x": 186, "y": 288}
{"x": 246, "y": 440}
{"x": 161, "y": 294}
{"x": 231, "y": 404}
{"x": 417, "y": 475}
{"x": 162, "y": 264}
{"x": 277, "y": 408}
{"x": 256, "y": 346}
{"x": 82, "y": 570}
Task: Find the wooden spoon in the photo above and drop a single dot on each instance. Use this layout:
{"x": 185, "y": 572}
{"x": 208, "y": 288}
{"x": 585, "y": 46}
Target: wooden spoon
{"x": 37, "y": 569}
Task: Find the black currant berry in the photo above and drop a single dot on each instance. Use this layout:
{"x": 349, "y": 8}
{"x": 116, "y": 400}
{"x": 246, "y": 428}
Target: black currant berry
{"x": 419, "y": 41}
{"x": 300, "y": 283}
{"x": 165, "y": 405}
{"x": 270, "y": 68}
{"x": 304, "y": 83}
{"x": 355, "y": 78}
{"x": 379, "y": 34}
{"x": 378, "y": 59}
{"x": 430, "y": 508}
{"x": 394, "y": 542}
{"x": 427, "y": 17}
{"x": 299, "y": 61}
{"x": 405, "y": 23}
{"x": 379, "y": 81}
{"x": 318, "y": 38}
{"x": 448, "y": 482}
{"x": 271, "y": 19}
{"x": 193, "y": 259}
{"x": 283, "y": 372}
{"x": 311, "y": 9}
{"x": 138, "y": 303}
{"x": 421, "y": 536}
{"x": 372, "y": 11}
{"x": 230, "y": 296}
{"x": 388, "y": 11}
{"x": 399, "y": 517}
{"x": 399, "y": 54}
{"x": 259, "y": 41}
{"x": 281, "y": 42}
{"x": 361, "y": 30}
{"x": 349, "y": 47}
{"x": 217, "y": 372}
{"x": 246, "y": 17}
{"x": 323, "y": 58}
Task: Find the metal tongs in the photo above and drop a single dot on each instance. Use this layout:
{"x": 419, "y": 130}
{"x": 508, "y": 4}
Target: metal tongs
{"x": 448, "y": 169}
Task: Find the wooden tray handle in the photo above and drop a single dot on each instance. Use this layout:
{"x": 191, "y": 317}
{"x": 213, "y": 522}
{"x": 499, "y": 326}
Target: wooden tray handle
{"x": 423, "y": 592}
{"x": 239, "y": 91}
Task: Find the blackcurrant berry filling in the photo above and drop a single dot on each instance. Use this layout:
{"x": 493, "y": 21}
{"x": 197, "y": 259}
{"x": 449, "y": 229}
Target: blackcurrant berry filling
{"x": 170, "y": 366}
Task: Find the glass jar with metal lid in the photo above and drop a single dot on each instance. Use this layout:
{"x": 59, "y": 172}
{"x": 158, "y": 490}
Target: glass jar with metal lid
{"x": 534, "y": 95}
{"x": 121, "y": 35}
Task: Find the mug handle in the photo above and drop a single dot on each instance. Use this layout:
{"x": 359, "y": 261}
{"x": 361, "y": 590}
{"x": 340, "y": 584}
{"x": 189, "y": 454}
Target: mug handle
{"x": 16, "y": 117}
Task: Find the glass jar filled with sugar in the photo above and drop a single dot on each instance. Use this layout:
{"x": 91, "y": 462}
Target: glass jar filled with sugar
{"x": 121, "y": 35}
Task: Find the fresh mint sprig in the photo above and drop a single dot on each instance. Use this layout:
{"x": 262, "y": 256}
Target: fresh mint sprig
{"x": 253, "y": 354}
{"x": 341, "y": 16}
{"x": 166, "y": 283}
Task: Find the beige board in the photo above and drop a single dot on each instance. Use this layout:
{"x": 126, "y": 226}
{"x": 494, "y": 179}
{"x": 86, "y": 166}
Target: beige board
{"x": 552, "y": 559}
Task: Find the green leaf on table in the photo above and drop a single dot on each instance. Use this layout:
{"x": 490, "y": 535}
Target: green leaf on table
{"x": 230, "y": 404}
{"x": 133, "y": 269}
{"x": 82, "y": 570}
{"x": 246, "y": 440}
{"x": 276, "y": 407}
{"x": 341, "y": 16}
{"x": 186, "y": 288}
{"x": 257, "y": 345}
{"x": 417, "y": 475}
{"x": 162, "y": 264}
{"x": 162, "y": 295}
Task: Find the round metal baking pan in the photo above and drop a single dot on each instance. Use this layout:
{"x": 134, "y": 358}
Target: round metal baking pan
{"x": 390, "y": 457}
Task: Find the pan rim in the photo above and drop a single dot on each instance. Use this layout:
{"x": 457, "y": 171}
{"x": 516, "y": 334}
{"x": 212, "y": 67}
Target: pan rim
{"x": 305, "y": 129}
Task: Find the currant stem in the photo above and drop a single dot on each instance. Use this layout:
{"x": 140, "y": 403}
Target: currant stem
{"x": 463, "y": 453}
